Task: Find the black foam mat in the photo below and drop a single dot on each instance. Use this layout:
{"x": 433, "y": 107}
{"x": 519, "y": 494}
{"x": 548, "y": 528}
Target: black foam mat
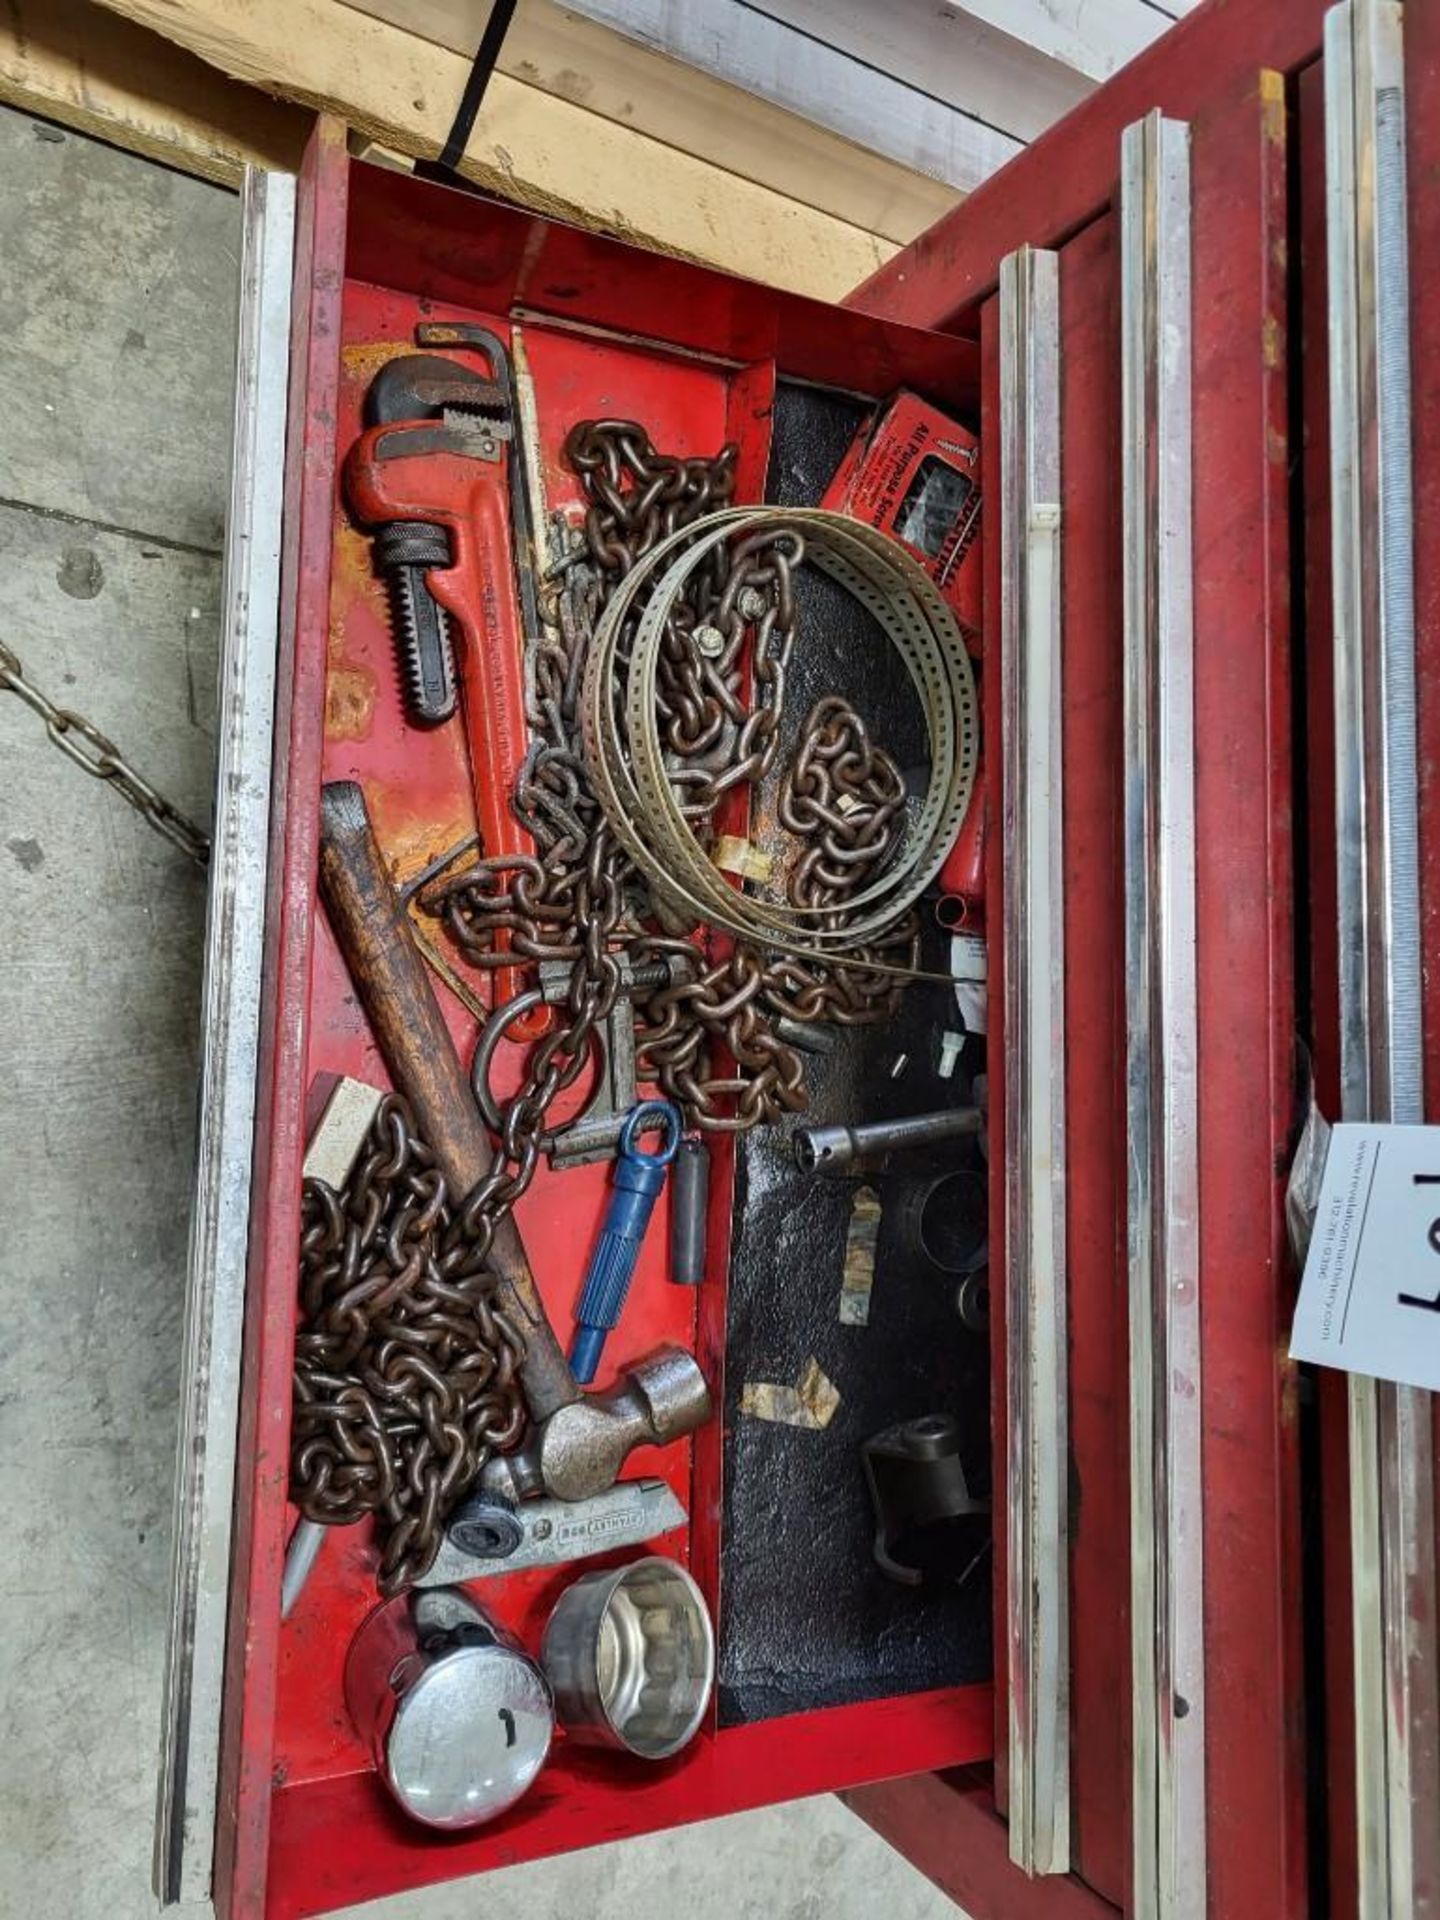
{"x": 807, "y": 1619}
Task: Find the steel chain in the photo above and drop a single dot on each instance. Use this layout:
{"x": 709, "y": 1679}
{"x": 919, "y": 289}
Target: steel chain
{"x": 96, "y": 754}
{"x": 581, "y": 896}
{"x": 406, "y": 1370}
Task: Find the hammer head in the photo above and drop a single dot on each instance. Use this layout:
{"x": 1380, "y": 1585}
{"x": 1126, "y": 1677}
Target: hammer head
{"x": 579, "y": 1450}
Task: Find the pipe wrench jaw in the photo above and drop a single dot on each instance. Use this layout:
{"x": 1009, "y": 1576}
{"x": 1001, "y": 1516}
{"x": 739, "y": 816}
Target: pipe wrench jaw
{"x": 423, "y": 386}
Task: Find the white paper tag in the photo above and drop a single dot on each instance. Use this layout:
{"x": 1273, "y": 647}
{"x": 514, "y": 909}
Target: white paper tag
{"x": 967, "y": 966}
{"x": 1370, "y": 1295}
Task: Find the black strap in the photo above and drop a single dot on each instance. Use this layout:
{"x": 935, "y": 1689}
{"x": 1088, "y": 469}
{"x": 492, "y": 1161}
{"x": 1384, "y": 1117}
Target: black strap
{"x": 486, "y": 55}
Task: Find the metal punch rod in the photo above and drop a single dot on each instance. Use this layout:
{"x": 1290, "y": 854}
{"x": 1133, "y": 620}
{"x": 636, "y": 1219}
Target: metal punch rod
{"x": 1037, "y": 1590}
{"x": 1167, "y": 1570}
{"x": 1392, "y": 1541}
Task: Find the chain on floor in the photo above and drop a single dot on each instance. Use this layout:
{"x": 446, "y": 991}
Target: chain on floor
{"x": 96, "y": 754}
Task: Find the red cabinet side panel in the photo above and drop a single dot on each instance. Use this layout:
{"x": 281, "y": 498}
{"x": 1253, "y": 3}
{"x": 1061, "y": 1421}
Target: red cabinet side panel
{"x": 1055, "y": 186}
{"x": 1332, "y": 1720}
{"x": 946, "y": 1825}
{"x": 1095, "y": 1064}
{"x": 995, "y": 1048}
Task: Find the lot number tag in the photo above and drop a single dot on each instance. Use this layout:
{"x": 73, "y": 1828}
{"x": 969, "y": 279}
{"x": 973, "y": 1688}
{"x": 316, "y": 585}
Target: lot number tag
{"x": 1370, "y": 1296}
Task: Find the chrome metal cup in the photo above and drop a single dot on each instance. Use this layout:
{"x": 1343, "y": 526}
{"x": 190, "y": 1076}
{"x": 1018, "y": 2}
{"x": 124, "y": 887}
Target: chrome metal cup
{"x": 630, "y": 1654}
{"x": 458, "y": 1718}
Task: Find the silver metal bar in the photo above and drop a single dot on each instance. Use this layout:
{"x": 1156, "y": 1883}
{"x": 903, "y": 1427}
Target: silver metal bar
{"x": 1037, "y": 1375}
{"x": 1392, "y": 1527}
{"x": 220, "y": 1217}
{"x": 1167, "y": 1568}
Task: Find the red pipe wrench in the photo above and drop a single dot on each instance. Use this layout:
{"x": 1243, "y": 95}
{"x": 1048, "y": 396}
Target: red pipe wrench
{"x": 430, "y": 474}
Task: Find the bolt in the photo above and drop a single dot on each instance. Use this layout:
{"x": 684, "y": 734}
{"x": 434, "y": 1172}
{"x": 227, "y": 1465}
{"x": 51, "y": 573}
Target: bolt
{"x": 950, "y": 1045}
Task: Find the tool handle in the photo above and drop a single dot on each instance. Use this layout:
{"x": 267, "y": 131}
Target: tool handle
{"x": 373, "y": 931}
{"x": 638, "y": 1180}
{"x": 689, "y": 1204}
{"x": 478, "y": 590}
{"x": 836, "y": 1149}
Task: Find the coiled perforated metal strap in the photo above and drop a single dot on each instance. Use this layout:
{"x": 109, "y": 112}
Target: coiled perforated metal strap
{"x": 625, "y": 756}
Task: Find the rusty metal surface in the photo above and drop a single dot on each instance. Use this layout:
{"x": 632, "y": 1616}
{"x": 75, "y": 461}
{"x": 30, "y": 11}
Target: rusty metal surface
{"x": 580, "y": 1449}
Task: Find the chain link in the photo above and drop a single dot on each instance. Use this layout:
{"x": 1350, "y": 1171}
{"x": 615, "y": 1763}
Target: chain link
{"x": 406, "y": 1369}
{"x": 582, "y": 896}
{"x": 95, "y": 753}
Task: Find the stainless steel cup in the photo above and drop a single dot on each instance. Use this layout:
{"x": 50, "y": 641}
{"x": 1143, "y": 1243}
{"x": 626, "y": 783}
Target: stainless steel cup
{"x": 456, "y": 1715}
{"x": 630, "y": 1655}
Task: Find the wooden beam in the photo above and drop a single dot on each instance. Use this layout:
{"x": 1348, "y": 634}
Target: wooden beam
{"x": 68, "y": 60}
{"x": 1092, "y": 37}
{"x": 559, "y": 50}
{"x": 529, "y": 146}
{"x": 966, "y": 59}
{"x": 788, "y": 53}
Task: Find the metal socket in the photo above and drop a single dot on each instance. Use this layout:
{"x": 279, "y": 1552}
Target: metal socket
{"x": 455, "y": 1714}
{"x": 944, "y": 1220}
{"x": 837, "y": 1149}
{"x": 630, "y": 1657}
{"x": 689, "y": 1213}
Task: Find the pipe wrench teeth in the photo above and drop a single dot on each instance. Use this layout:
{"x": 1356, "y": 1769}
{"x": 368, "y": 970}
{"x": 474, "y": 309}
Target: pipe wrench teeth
{"x": 404, "y": 550}
{"x": 427, "y": 654}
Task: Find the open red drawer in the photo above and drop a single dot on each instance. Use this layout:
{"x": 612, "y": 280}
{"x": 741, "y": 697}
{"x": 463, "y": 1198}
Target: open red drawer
{"x": 304, "y": 1824}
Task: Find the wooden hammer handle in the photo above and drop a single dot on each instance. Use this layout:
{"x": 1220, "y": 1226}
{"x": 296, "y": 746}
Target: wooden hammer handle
{"x": 373, "y": 930}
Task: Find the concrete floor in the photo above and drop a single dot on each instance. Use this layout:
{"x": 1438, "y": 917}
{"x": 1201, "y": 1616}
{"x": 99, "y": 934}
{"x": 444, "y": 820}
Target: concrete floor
{"x": 116, "y": 343}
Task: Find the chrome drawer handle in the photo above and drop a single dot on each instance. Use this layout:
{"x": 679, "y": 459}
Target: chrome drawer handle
{"x": 1167, "y": 1591}
{"x": 234, "y": 938}
{"x": 1392, "y": 1535}
{"x": 1037, "y": 1373}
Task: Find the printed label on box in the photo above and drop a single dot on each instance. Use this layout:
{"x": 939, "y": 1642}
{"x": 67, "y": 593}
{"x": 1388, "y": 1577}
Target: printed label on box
{"x": 1370, "y": 1296}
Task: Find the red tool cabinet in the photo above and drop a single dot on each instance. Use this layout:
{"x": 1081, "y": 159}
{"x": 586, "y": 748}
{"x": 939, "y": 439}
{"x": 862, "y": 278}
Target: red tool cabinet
{"x": 1232, "y": 491}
